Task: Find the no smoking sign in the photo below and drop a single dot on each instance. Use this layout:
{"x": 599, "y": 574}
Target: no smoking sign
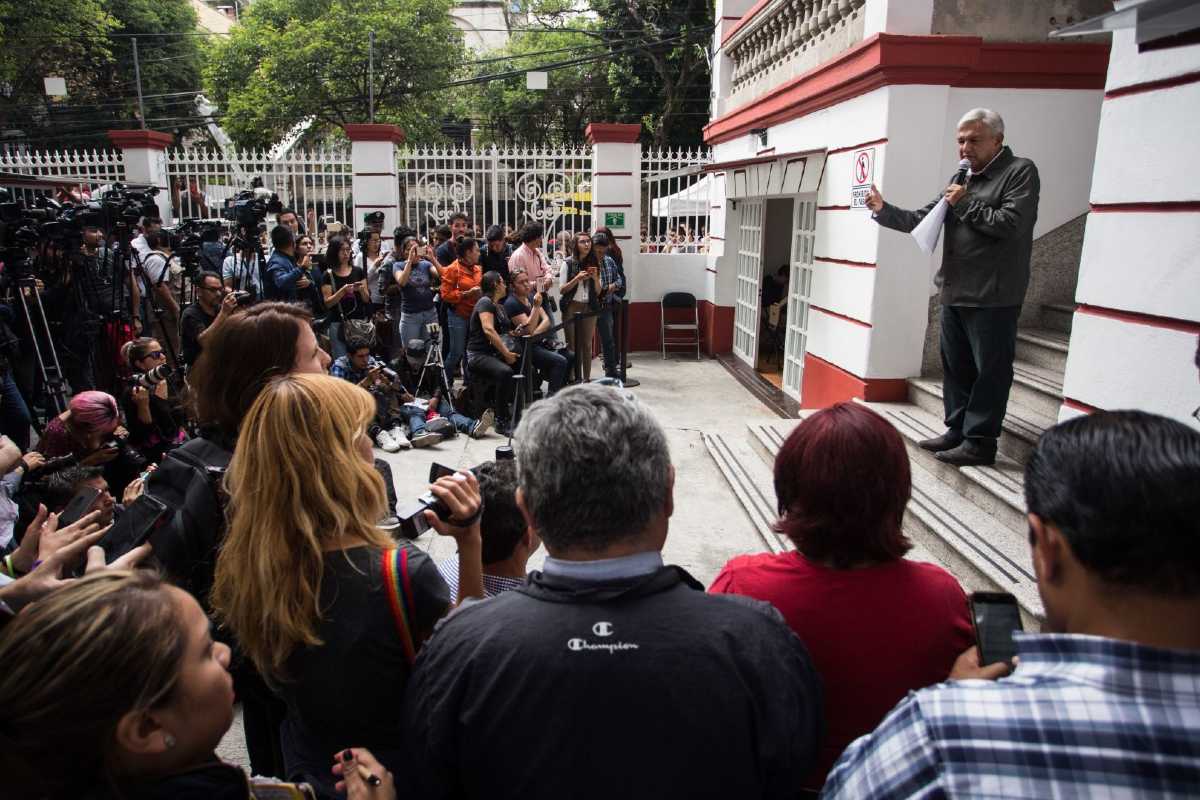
{"x": 861, "y": 176}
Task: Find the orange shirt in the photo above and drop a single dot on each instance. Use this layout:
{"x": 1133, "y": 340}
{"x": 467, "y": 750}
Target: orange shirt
{"x": 457, "y": 280}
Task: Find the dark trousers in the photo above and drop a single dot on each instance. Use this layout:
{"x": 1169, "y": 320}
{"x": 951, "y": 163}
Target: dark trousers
{"x": 608, "y": 341}
{"x": 978, "y": 347}
{"x": 498, "y": 376}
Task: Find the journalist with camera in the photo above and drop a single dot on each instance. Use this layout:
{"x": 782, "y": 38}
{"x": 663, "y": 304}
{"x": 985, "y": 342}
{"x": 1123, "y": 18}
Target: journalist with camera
{"x": 214, "y": 303}
{"x": 408, "y": 288}
{"x": 159, "y": 306}
{"x": 152, "y": 419}
{"x": 91, "y": 433}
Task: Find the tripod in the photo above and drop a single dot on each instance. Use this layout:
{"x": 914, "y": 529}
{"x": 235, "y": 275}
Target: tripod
{"x": 51, "y": 373}
{"x": 434, "y": 360}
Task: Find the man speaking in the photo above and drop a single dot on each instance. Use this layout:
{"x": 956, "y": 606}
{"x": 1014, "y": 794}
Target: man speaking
{"x": 983, "y": 278}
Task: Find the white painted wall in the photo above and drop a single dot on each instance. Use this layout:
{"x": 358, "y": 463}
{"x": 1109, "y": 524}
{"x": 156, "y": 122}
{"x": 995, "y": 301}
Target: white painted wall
{"x": 659, "y": 273}
{"x": 1126, "y": 66}
{"x": 898, "y": 16}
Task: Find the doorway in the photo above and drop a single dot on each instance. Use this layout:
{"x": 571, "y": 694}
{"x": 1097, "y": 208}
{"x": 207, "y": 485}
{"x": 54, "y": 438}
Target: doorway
{"x": 772, "y": 297}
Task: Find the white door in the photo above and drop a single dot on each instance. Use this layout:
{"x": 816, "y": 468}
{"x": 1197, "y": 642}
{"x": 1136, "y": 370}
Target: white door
{"x": 749, "y": 275}
{"x": 804, "y": 226}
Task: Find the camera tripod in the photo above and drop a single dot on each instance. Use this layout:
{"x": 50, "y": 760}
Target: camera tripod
{"x": 239, "y": 244}
{"x": 434, "y": 360}
{"x": 51, "y": 373}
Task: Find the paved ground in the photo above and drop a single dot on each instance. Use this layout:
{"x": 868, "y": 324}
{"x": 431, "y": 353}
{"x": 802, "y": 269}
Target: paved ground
{"x": 689, "y": 398}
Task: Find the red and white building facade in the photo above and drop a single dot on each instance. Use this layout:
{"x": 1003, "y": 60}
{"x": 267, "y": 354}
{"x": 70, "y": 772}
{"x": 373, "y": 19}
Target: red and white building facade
{"x": 812, "y": 98}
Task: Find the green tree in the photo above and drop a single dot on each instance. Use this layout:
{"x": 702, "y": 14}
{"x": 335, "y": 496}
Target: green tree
{"x": 291, "y": 59}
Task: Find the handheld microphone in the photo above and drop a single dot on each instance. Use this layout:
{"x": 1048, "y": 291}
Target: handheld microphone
{"x": 961, "y": 177}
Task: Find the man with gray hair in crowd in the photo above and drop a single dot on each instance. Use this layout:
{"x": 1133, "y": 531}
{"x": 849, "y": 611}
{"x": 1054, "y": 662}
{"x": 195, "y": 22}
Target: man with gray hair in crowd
{"x": 608, "y": 674}
{"x": 983, "y": 278}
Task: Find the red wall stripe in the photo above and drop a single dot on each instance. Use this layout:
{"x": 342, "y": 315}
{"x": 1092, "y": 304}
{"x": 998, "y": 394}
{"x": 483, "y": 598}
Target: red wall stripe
{"x": 844, "y": 262}
{"x": 1165, "y": 206}
{"x": 837, "y": 150}
{"x": 1079, "y": 405}
{"x": 1153, "y": 86}
{"x": 1138, "y": 318}
{"x": 840, "y": 316}
{"x": 825, "y": 383}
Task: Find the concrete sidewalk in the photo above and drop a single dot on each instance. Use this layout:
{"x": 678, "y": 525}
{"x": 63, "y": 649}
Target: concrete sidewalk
{"x": 709, "y": 526}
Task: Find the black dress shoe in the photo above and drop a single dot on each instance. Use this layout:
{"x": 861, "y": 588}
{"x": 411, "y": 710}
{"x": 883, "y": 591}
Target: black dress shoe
{"x": 948, "y": 440}
{"x": 968, "y": 454}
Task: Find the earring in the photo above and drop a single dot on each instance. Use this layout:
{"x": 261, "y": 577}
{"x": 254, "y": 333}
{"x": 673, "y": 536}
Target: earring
{"x": 168, "y": 740}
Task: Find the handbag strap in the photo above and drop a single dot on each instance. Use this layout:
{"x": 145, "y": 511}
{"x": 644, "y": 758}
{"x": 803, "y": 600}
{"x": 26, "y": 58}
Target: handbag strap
{"x": 398, "y": 585}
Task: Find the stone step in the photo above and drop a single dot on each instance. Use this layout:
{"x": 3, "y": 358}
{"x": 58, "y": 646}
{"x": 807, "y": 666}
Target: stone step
{"x": 998, "y": 490}
{"x": 948, "y": 530}
{"x": 1057, "y": 316}
{"x": 752, "y": 483}
{"x": 1037, "y": 388}
{"x": 1020, "y": 429}
{"x": 1043, "y": 348}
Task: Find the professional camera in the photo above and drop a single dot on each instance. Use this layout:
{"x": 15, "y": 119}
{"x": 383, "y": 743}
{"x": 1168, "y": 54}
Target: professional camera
{"x": 412, "y": 514}
{"x": 151, "y": 377}
{"x": 243, "y": 298}
{"x": 250, "y": 207}
{"x": 126, "y": 454}
{"x": 122, "y": 205}
{"x": 187, "y": 240}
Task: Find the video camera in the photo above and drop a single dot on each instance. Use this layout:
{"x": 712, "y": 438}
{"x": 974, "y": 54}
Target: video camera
{"x": 187, "y": 239}
{"x": 250, "y": 207}
{"x": 412, "y": 514}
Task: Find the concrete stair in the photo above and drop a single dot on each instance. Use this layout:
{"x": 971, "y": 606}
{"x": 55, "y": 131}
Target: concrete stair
{"x": 1043, "y": 347}
{"x": 1057, "y": 316}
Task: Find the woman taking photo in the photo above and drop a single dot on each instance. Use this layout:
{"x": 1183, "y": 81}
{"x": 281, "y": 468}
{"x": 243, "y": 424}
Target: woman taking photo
{"x": 78, "y": 725}
{"x": 414, "y": 281}
{"x": 91, "y": 419}
{"x": 344, "y": 289}
{"x": 149, "y": 413}
{"x": 370, "y": 260}
{"x": 307, "y": 583}
{"x": 876, "y": 625}
{"x": 581, "y": 292}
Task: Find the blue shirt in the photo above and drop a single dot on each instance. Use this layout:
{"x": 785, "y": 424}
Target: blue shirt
{"x": 1082, "y": 716}
{"x": 605, "y": 569}
{"x": 282, "y": 274}
{"x": 611, "y": 276}
{"x": 416, "y": 295}
{"x": 342, "y": 368}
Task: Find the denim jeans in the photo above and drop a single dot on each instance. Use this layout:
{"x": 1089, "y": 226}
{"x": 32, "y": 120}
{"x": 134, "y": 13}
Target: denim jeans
{"x": 337, "y": 348}
{"x": 14, "y": 413}
{"x": 415, "y": 415}
{"x": 458, "y": 343}
{"x": 552, "y": 364}
{"x": 608, "y": 343}
{"x": 412, "y": 325}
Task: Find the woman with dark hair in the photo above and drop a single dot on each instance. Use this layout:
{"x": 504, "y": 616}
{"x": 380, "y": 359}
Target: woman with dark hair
{"x": 581, "y": 292}
{"x": 149, "y": 413}
{"x": 113, "y": 688}
{"x": 876, "y": 624}
{"x": 239, "y": 358}
{"x": 344, "y": 289}
{"x": 460, "y": 291}
{"x": 488, "y": 353}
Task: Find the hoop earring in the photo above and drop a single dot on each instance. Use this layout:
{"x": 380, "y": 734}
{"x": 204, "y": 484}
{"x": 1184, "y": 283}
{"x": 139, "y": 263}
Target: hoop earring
{"x": 168, "y": 740}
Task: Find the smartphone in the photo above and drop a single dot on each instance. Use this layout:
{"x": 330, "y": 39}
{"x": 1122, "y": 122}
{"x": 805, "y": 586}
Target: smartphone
{"x": 78, "y": 506}
{"x": 141, "y": 519}
{"x": 995, "y": 617}
{"x": 437, "y": 470}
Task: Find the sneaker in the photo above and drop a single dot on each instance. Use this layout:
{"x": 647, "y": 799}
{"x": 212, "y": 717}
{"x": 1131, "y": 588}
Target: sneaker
{"x": 397, "y": 433}
{"x": 486, "y": 420}
{"x": 401, "y": 440}
{"x": 385, "y": 442}
{"x": 426, "y": 438}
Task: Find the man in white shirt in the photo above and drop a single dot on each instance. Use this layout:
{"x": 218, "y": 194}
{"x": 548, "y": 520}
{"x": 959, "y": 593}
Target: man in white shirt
{"x": 157, "y": 291}
{"x": 148, "y": 225}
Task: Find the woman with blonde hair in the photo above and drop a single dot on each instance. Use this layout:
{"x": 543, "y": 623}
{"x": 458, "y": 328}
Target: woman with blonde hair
{"x": 325, "y": 604}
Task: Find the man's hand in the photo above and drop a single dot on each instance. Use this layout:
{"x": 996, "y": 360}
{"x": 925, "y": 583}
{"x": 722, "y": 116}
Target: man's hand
{"x": 510, "y": 357}
{"x": 133, "y": 490}
{"x": 137, "y": 325}
{"x": 32, "y": 460}
{"x": 52, "y": 539}
{"x": 954, "y": 193}
{"x": 874, "y": 199}
{"x": 229, "y": 304}
{"x": 303, "y": 283}
{"x": 460, "y": 493}
{"x": 966, "y": 667}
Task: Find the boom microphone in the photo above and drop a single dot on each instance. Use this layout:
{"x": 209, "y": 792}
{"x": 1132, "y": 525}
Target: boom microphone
{"x": 961, "y": 177}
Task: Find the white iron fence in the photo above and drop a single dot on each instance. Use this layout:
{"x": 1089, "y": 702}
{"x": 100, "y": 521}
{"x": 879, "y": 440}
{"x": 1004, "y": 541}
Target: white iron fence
{"x": 316, "y": 184}
{"x": 676, "y": 201}
{"x": 86, "y": 172}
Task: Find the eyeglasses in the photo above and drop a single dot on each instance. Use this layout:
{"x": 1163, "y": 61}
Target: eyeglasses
{"x": 156, "y": 354}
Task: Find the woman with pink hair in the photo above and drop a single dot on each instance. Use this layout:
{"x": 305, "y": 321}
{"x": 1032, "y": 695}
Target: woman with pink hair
{"x": 90, "y": 420}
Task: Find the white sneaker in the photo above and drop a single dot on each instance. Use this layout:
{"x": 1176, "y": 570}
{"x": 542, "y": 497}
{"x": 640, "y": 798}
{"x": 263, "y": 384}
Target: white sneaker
{"x": 385, "y": 442}
{"x": 402, "y": 442}
{"x": 486, "y": 420}
{"x": 426, "y": 438}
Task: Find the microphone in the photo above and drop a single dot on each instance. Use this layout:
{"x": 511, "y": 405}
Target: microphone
{"x": 961, "y": 177}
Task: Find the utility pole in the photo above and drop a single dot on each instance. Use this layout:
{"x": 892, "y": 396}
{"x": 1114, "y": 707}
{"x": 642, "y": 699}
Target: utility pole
{"x": 371, "y": 76}
{"x": 137, "y": 74}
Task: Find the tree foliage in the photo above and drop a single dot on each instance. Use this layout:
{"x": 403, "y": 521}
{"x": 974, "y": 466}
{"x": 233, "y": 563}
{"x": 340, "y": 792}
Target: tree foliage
{"x": 291, "y": 59}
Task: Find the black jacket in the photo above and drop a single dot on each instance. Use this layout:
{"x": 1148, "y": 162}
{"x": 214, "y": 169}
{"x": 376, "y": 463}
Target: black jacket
{"x": 212, "y": 781}
{"x": 988, "y": 234}
{"x": 638, "y": 688}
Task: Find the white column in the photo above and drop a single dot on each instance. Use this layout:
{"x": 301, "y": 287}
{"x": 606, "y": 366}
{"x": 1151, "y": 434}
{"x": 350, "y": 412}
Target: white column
{"x": 145, "y": 154}
{"x": 373, "y": 160}
{"x": 617, "y": 187}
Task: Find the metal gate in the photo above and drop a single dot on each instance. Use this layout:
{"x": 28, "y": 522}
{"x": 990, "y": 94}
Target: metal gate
{"x": 804, "y": 225}
{"x": 749, "y": 275}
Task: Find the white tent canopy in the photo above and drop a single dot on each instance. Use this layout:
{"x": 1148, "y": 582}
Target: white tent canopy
{"x": 691, "y": 201}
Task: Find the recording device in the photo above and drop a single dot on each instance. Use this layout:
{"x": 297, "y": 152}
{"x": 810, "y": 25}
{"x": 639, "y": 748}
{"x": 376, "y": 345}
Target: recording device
{"x": 53, "y": 465}
{"x": 138, "y": 522}
{"x": 961, "y": 178}
{"x": 243, "y": 298}
{"x": 78, "y": 506}
{"x": 995, "y": 617}
{"x": 250, "y": 207}
{"x": 151, "y": 377}
{"x": 125, "y": 452}
{"x": 389, "y": 373}
{"x": 412, "y": 514}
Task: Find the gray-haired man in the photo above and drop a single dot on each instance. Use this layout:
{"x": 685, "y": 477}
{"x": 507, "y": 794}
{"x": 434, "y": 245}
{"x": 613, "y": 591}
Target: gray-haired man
{"x": 984, "y": 275}
{"x": 607, "y": 674}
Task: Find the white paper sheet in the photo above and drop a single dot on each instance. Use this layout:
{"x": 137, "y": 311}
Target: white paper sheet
{"x": 927, "y": 232}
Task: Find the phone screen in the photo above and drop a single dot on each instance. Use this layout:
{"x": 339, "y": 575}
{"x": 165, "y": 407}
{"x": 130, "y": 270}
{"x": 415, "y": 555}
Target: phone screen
{"x": 78, "y": 506}
{"x": 437, "y": 470}
{"x": 995, "y": 616}
{"x": 141, "y": 518}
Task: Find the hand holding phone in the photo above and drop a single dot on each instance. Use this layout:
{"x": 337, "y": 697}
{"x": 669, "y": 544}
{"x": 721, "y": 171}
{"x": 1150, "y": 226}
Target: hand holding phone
{"x": 995, "y": 617}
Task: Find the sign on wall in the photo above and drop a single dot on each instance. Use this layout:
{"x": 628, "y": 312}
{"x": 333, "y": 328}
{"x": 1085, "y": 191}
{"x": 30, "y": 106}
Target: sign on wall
{"x": 862, "y": 173}
{"x": 614, "y": 219}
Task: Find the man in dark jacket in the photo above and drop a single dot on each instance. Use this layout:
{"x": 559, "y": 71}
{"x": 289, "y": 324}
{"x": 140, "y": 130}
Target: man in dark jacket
{"x": 284, "y": 279}
{"x": 984, "y": 275}
{"x": 608, "y": 674}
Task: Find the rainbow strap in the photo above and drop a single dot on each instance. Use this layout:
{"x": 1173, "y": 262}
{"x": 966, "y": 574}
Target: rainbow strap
{"x": 399, "y": 591}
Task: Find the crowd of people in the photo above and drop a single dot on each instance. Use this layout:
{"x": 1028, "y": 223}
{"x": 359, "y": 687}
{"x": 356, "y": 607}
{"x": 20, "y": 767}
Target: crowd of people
{"x": 271, "y": 575}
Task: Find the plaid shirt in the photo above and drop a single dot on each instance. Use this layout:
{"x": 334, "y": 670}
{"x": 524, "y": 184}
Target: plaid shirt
{"x": 1082, "y": 716}
{"x": 492, "y": 584}
{"x": 609, "y": 275}
{"x": 342, "y": 368}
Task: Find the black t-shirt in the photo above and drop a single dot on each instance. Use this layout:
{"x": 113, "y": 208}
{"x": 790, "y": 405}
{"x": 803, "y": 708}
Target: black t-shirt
{"x": 193, "y": 322}
{"x": 477, "y": 341}
{"x": 352, "y": 306}
{"x": 348, "y": 692}
{"x": 515, "y": 308}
